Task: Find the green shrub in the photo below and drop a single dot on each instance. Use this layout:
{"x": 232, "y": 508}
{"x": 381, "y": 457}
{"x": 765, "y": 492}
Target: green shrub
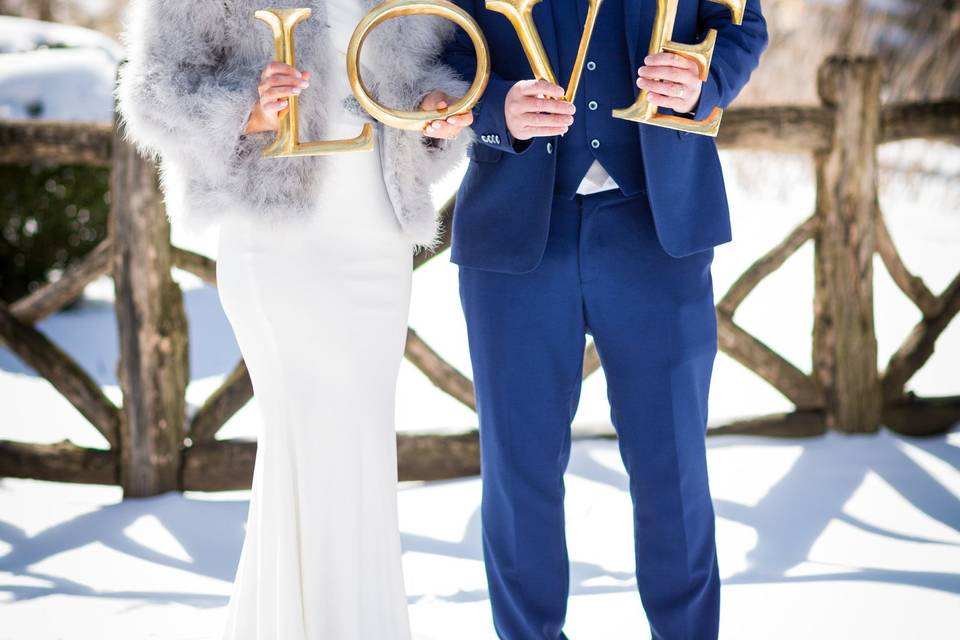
{"x": 50, "y": 217}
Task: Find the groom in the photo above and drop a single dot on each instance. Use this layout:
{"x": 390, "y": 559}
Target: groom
{"x": 569, "y": 222}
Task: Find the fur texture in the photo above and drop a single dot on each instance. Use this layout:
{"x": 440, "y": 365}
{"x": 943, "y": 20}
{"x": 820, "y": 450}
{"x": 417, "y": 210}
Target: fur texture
{"x": 191, "y": 79}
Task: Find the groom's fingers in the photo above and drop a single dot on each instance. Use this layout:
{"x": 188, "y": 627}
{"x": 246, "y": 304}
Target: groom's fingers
{"x": 666, "y": 101}
{"x": 543, "y": 105}
{"x": 666, "y": 59}
{"x": 532, "y": 110}
{"x": 545, "y": 120}
{"x": 540, "y": 88}
{"x": 544, "y": 132}
{"x": 663, "y": 87}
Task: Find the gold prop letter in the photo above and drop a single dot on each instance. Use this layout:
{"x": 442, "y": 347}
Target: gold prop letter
{"x": 287, "y": 143}
{"x": 702, "y": 54}
{"x": 416, "y": 120}
{"x": 520, "y": 15}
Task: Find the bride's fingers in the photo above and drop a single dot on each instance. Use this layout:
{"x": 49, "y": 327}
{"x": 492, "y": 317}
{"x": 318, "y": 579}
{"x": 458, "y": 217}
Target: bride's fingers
{"x": 450, "y": 127}
{"x": 275, "y": 106}
{"x": 282, "y": 69}
{"x": 436, "y": 129}
{"x": 278, "y": 68}
{"x": 441, "y": 129}
{"x": 276, "y": 93}
{"x": 284, "y": 81}
{"x": 433, "y": 101}
{"x": 461, "y": 120}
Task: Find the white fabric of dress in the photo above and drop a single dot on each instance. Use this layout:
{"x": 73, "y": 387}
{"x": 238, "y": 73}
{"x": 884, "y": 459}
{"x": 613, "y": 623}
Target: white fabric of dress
{"x": 319, "y": 308}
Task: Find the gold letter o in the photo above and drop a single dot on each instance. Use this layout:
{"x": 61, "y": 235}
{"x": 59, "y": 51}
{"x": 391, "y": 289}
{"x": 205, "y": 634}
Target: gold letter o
{"x": 415, "y": 120}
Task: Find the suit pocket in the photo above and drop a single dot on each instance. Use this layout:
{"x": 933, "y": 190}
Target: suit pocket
{"x": 484, "y": 153}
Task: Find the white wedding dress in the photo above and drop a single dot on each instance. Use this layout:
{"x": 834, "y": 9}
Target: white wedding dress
{"x": 319, "y": 309}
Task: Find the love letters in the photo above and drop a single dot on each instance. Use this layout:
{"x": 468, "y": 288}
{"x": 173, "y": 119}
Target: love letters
{"x": 283, "y": 22}
{"x": 520, "y": 15}
{"x": 701, "y": 53}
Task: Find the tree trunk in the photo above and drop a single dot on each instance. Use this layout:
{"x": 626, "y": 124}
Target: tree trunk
{"x": 845, "y": 343}
{"x": 153, "y": 369}
{"x": 45, "y": 10}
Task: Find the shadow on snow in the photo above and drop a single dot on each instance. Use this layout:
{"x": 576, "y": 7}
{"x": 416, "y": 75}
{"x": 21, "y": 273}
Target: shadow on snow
{"x": 788, "y": 520}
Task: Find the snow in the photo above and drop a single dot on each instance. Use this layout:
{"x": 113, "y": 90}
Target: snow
{"x": 22, "y": 34}
{"x": 835, "y": 537}
{"x": 56, "y": 72}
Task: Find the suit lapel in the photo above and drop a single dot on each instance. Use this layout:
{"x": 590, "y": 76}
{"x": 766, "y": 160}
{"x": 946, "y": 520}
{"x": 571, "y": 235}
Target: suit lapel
{"x": 543, "y": 18}
{"x": 638, "y": 16}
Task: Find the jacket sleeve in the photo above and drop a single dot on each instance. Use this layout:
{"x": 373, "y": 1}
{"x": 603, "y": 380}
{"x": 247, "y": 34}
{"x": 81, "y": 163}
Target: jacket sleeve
{"x": 490, "y": 122}
{"x": 736, "y": 55}
{"x": 182, "y": 93}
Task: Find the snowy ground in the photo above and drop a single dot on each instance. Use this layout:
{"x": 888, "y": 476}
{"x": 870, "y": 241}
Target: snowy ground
{"x": 833, "y": 538}
{"x": 829, "y": 538}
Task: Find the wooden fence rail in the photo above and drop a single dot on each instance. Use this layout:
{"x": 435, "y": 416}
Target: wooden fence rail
{"x": 157, "y": 445}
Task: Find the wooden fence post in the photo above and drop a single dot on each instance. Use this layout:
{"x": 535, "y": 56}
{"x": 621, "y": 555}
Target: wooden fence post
{"x": 153, "y": 369}
{"x": 845, "y": 343}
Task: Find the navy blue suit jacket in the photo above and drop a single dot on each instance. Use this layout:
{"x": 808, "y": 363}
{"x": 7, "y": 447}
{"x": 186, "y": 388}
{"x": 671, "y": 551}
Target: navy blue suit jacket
{"x": 503, "y": 207}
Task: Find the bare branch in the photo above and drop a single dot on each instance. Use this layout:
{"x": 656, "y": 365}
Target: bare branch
{"x": 62, "y": 371}
{"x": 919, "y": 345}
{"x": 912, "y": 286}
{"x": 797, "y": 386}
{"x": 52, "y": 297}
{"x": 232, "y": 394}
{"x": 60, "y": 462}
{"x": 766, "y": 265}
{"x": 438, "y": 371}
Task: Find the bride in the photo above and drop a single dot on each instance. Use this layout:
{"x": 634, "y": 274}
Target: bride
{"x": 314, "y": 271}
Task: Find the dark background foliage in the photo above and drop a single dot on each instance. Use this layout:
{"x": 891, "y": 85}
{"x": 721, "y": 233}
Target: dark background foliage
{"x": 49, "y": 218}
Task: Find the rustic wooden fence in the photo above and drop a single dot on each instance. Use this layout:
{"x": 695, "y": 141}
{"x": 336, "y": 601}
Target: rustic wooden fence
{"x": 157, "y": 444}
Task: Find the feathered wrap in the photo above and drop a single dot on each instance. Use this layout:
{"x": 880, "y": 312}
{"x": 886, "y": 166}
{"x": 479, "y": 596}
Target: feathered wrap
{"x": 190, "y": 82}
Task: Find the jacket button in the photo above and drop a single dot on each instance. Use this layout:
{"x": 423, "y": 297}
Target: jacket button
{"x": 549, "y": 147}
{"x": 595, "y": 143}
{"x": 591, "y": 65}
{"x": 592, "y": 105}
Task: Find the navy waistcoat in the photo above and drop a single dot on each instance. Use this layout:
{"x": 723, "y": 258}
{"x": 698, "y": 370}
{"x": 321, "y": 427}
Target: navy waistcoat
{"x": 607, "y": 83}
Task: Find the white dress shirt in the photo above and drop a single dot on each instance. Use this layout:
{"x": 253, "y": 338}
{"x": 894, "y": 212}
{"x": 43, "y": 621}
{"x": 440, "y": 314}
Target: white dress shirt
{"x": 596, "y": 180}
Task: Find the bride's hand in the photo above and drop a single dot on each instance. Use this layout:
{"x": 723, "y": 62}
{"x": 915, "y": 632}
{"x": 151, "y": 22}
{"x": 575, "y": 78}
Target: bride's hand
{"x": 278, "y": 83}
{"x": 449, "y": 127}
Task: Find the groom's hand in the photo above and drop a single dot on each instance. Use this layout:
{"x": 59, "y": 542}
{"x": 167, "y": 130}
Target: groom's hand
{"x": 531, "y": 114}
{"x": 672, "y": 80}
